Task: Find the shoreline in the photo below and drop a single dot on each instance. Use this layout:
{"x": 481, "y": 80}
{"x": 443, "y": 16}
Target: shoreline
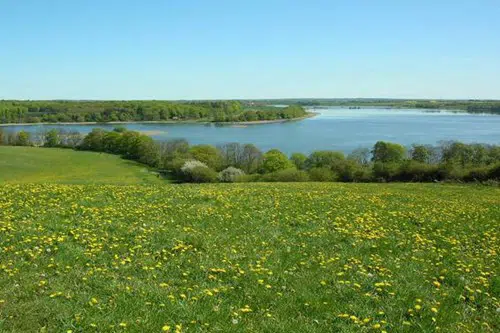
{"x": 203, "y": 122}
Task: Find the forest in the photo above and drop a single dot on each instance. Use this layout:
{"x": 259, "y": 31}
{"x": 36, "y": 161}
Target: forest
{"x": 124, "y": 111}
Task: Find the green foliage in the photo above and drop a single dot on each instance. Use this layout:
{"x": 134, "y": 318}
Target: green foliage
{"x": 287, "y": 175}
{"x": 289, "y": 112}
{"x": 420, "y": 153}
{"x": 299, "y": 160}
{"x": 274, "y": 160}
{"x": 325, "y": 158}
{"x": 385, "y": 172}
{"x": 194, "y": 171}
{"x": 388, "y": 152}
{"x": 52, "y": 138}
{"x": 322, "y": 174}
{"x": 207, "y": 154}
{"x": 107, "y": 111}
{"x": 416, "y": 171}
{"x": 23, "y": 138}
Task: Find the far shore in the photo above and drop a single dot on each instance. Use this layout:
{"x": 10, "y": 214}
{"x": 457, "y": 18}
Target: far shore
{"x": 256, "y": 122}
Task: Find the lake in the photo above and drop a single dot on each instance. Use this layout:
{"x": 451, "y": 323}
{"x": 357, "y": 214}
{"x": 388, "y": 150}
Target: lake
{"x": 333, "y": 129}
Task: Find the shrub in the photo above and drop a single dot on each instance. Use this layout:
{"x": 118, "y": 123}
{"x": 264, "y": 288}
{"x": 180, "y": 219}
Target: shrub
{"x": 201, "y": 174}
{"x": 198, "y": 172}
{"x": 322, "y": 174}
{"x": 325, "y": 158}
{"x": 275, "y": 160}
{"x": 230, "y": 174}
{"x": 418, "y": 171}
{"x": 207, "y": 154}
{"x": 495, "y": 172}
{"x": 246, "y": 178}
{"x": 385, "y": 172}
{"x": 288, "y": 175}
{"x": 451, "y": 171}
{"x": 299, "y": 160}
{"x": 23, "y": 138}
{"x": 479, "y": 174}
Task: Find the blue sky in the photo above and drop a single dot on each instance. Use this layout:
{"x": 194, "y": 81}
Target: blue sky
{"x": 186, "y": 49}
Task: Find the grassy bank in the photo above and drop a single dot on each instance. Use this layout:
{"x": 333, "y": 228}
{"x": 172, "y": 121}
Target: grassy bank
{"x": 51, "y": 165}
{"x": 249, "y": 257}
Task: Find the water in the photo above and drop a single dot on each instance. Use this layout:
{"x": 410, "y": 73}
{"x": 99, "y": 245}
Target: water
{"x": 333, "y": 129}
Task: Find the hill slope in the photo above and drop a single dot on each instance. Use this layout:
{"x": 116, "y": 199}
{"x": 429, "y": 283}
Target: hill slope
{"x": 249, "y": 258}
{"x": 51, "y": 165}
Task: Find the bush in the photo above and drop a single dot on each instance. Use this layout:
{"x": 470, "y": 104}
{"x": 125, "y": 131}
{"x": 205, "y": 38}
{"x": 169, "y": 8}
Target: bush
{"x": 23, "y": 138}
{"x": 418, "y": 172}
{"x": 363, "y": 174}
{"x": 191, "y": 164}
{"x": 479, "y": 174}
{"x": 322, "y": 174}
{"x": 197, "y": 172}
{"x": 288, "y": 175}
{"x": 201, "y": 174}
{"x": 275, "y": 160}
{"x": 451, "y": 171}
{"x": 230, "y": 174}
{"x": 325, "y": 158}
{"x": 246, "y": 178}
{"x": 207, "y": 154}
{"x": 299, "y": 160}
{"x": 495, "y": 172}
{"x": 385, "y": 172}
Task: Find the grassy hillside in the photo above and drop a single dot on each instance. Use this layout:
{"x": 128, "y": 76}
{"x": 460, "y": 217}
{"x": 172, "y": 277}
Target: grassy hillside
{"x": 249, "y": 257}
{"x": 44, "y": 165}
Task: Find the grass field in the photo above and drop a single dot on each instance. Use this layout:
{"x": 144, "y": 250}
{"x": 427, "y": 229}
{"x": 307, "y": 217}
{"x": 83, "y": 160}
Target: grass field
{"x": 249, "y": 258}
{"x": 44, "y": 165}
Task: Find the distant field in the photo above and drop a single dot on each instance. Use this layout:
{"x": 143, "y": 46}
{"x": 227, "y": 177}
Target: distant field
{"x": 51, "y": 165}
{"x": 312, "y": 257}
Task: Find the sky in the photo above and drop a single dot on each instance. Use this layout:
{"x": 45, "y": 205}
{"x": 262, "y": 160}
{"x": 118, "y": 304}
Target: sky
{"x": 249, "y": 49}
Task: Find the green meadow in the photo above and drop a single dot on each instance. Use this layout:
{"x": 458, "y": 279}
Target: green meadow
{"x": 296, "y": 257}
{"x": 53, "y": 165}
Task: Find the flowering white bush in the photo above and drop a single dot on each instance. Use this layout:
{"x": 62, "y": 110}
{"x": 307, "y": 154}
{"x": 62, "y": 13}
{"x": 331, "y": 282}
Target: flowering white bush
{"x": 230, "y": 174}
{"x": 191, "y": 164}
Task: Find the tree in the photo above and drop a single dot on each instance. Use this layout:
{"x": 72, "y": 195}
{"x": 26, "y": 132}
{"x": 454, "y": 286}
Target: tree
{"x": 299, "y": 160}
{"x": 325, "y": 158}
{"x": 275, "y": 160}
{"x": 360, "y": 156}
{"x": 322, "y": 174}
{"x": 94, "y": 141}
{"x": 457, "y": 153}
{"x": 173, "y": 150}
{"x": 231, "y": 153}
{"x": 23, "y": 138}
{"x": 52, "y": 138}
{"x": 387, "y": 152}
{"x": 251, "y": 158}
{"x": 420, "y": 153}
{"x": 207, "y": 154}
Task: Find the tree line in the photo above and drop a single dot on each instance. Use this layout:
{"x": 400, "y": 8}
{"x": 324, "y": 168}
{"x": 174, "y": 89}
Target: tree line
{"x": 471, "y": 106}
{"x": 110, "y": 111}
{"x": 235, "y": 162}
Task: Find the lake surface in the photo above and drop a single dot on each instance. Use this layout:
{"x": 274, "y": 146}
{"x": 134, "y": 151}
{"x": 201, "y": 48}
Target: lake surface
{"x": 333, "y": 129}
